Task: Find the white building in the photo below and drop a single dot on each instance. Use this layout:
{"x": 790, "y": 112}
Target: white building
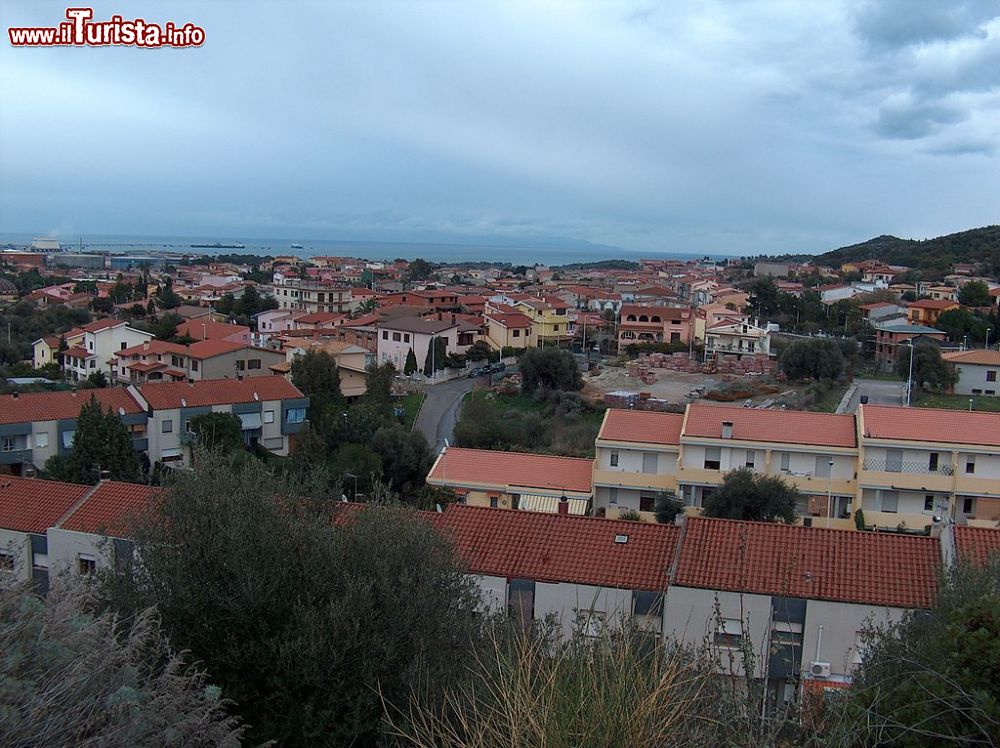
{"x": 978, "y": 371}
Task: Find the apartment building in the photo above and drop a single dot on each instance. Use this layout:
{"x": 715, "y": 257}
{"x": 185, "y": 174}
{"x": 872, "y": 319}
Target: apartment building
{"x": 270, "y": 408}
{"x": 737, "y": 337}
{"x": 160, "y": 361}
{"x": 645, "y": 324}
{"x": 514, "y": 480}
{"x": 550, "y": 323}
{"x": 35, "y": 426}
{"x": 397, "y": 336}
{"x": 508, "y": 328}
{"x": 89, "y": 349}
{"x": 312, "y": 296}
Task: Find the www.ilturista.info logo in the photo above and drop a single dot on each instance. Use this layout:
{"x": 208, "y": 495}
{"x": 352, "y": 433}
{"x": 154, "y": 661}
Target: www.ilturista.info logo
{"x": 80, "y": 31}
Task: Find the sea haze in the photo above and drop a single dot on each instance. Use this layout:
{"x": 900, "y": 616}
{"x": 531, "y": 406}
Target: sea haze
{"x": 533, "y": 254}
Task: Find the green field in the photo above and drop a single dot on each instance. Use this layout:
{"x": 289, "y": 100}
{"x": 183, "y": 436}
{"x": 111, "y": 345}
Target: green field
{"x": 411, "y": 404}
{"x": 829, "y": 402}
{"x": 959, "y": 402}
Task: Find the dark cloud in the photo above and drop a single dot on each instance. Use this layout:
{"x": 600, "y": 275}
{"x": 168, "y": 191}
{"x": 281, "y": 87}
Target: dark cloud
{"x": 891, "y": 24}
{"x": 905, "y": 120}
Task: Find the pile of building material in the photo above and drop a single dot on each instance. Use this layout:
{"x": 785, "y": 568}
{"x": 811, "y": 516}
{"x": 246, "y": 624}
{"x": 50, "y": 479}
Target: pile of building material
{"x": 629, "y": 400}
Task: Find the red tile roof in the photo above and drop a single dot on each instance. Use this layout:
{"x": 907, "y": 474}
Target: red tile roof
{"x": 153, "y": 347}
{"x": 976, "y": 543}
{"x": 976, "y": 356}
{"x": 209, "y": 348}
{"x": 931, "y": 425}
{"x": 207, "y": 330}
{"x": 33, "y": 505}
{"x": 509, "y": 320}
{"x": 51, "y": 406}
{"x": 101, "y": 324}
{"x": 561, "y": 548}
{"x": 783, "y": 426}
{"x": 457, "y": 465}
{"x": 642, "y": 426}
{"x": 942, "y": 304}
{"x": 162, "y": 395}
{"x": 109, "y": 508}
{"x": 816, "y": 563}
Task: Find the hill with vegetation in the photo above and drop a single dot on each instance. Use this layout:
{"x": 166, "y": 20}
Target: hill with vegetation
{"x": 932, "y": 257}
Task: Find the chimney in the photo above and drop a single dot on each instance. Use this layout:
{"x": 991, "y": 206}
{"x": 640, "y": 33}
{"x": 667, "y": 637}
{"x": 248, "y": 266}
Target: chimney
{"x": 14, "y": 394}
{"x": 727, "y": 429}
{"x": 563, "y": 504}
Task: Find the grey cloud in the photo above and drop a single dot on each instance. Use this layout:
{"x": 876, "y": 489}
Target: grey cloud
{"x": 904, "y": 119}
{"x": 891, "y": 24}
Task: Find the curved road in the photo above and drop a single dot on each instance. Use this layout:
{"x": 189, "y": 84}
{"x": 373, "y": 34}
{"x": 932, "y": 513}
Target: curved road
{"x": 439, "y": 413}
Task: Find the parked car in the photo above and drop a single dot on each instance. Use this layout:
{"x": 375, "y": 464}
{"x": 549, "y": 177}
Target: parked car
{"x": 477, "y": 372}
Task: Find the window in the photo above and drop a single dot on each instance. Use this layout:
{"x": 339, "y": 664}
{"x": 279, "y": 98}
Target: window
{"x": 253, "y": 363}
{"x": 123, "y": 345}
{"x": 396, "y": 337}
{"x": 295, "y": 415}
{"x": 176, "y": 361}
{"x": 86, "y": 564}
{"x": 647, "y": 603}
{"x": 9, "y": 444}
{"x": 977, "y": 392}
{"x": 187, "y": 425}
{"x": 929, "y": 503}
{"x": 268, "y": 416}
{"x": 67, "y": 438}
{"x": 556, "y": 328}
{"x": 6, "y": 561}
{"x": 406, "y": 337}
{"x": 822, "y": 466}
{"x": 713, "y": 458}
{"x": 751, "y": 458}
{"x": 241, "y": 365}
{"x": 890, "y": 501}
{"x": 646, "y": 503}
{"x": 991, "y": 375}
{"x": 494, "y": 502}
{"x": 729, "y": 633}
{"x": 521, "y": 601}
{"x": 93, "y": 363}
{"x": 894, "y": 460}
{"x": 786, "y": 459}
{"x": 932, "y": 462}
{"x": 194, "y": 365}
{"x": 649, "y": 462}
{"x": 385, "y": 335}
{"x": 42, "y": 440}
{"x": 613, "y": 496}
{"x": 970, "y": 464}
{"x": 968, "y": 506}
{"x": 614, "y": 459}
{"x": 167, "y": 427}
{"x": 517, "y": 333}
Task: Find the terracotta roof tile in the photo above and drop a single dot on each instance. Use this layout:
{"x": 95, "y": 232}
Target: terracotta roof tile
{"x": 976, "y": 543}
{"x": 153, "y": 347}
{"x": 161, "y": 395}
{"x": 808, "y": 562}
{"x": 209, "y": 348}
{"x": 457, "y": 465}
{"x": 642, "y": 426}
{"x": 783, "y": 426}
{"x": 562, "y": 548}
{"x": 931, "y": 425}
{"x": 51, "y": 406}
{"x": 109, "y": 508}
{"x": 208, "y": 330}
{"x": 974, "y": 356}
{"x": 33, "y": 505}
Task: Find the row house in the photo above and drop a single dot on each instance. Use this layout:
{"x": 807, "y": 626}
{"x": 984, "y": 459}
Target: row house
{"x": 88, "y": 349}
{"x": 160, "y": 361}
{"x": 649, "y": 324}
{"x": 35, "y": 426}
{"x": 514, "y": 480}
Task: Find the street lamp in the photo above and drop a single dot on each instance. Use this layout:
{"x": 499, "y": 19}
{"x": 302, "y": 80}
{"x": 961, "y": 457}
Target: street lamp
{"x": 987, "y": 346}
{"x": 829, "y": 491}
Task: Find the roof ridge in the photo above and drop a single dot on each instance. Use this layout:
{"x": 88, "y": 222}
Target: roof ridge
{"x": 78, "y": 503}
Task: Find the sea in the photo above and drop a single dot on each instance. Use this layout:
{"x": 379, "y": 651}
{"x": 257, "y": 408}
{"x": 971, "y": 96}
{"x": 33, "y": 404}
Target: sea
{"x": 530, "y": 254}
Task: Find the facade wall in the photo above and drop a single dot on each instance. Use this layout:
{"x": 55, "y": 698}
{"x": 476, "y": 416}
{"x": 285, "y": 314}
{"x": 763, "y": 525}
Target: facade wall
{"x": 18, "y": 546}
{"x": 67, "y": 547}
{"x": 975, "y": 379}
{"x": 395, "y": 351}
{"x": 838, "y": 642}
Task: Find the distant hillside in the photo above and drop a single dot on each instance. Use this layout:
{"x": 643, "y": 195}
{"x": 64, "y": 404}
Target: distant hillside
{"x": 930, "y": 256}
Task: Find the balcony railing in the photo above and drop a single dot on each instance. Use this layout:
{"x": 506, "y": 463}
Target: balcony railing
{"x": 882, "y": 465}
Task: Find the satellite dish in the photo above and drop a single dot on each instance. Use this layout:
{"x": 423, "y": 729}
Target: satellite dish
{"x": 184, "y": 403}
{"x": 256, "y": 396}
{"x": 121, "y": 411}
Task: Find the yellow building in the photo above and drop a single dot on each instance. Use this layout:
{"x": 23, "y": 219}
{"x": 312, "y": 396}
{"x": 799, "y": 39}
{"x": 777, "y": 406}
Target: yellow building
{"x": 550, "y": 324}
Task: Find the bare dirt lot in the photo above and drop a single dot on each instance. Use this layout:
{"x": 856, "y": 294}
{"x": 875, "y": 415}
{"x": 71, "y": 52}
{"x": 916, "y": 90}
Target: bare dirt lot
{"x": 669, "y": 385}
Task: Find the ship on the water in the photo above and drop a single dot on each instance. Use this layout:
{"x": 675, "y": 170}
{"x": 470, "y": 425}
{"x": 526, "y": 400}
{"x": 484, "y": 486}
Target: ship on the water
{"x": 296, "y": 246}
{"x": 219, "y": 245}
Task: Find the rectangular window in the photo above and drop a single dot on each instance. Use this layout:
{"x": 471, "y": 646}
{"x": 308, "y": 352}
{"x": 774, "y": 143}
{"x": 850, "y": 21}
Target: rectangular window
{"x": 646, "y": 503}
{"x": 822, "y": 466}
{"x": 67, "y": 438}
{"x": 649, "y": 462}
{"x": 970, "y": 464}
{"x": 406, "y": 337}
{"x": 167, "y": 427}
{"x": 890, "y": 501}
{"x": 751, "y": 458}
{"x": 968, "y": 506}
{"x": 894, "y": 460}
{"x": 295, "y": 415}
{"x": 93, "y": 363}
{"x": 786, "y": 459}
{"x": 713, "y": 458}
{"x": 929, "y": 503}
{"x": 494, "y": 502}
{"x": 396, "y": 337}
{"x": 241, "y": 365}
{"x": 86, "y": 564}
{"x": 647, "y": 603}
{"x": 991, "y": 376}
{"x": 9, "y": 444}
{"x": 977, "y": 392}
{"x": 517, "y": 333}
{"x": 124, "y": 345}
{"x": 253, "y": 363}
{"x": 614, "y": 459}
{"x": 932, "y": 462}
{"x": 613, "y": 496}
{"x": 385, "y": 335}
{"x": 729, "y": 633}
{"x": 521, "y": 601}
{"x": 194, "y": 365}
{"x": 42, "y": 440}
{"x": 268, "y": 416}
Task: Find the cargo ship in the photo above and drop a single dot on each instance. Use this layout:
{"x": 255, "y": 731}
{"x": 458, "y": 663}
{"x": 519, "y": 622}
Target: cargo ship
{"x": 219, "y": 245}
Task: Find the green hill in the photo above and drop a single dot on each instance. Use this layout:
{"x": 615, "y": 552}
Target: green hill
{"x": 933, "y": 257}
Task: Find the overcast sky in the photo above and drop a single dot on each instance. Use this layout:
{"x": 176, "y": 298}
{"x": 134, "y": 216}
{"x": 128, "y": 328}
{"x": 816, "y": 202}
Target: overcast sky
{"x": 679, "y": 126}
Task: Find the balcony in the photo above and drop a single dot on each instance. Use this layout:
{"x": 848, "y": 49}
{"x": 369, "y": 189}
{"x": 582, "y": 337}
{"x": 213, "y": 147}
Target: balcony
{"x": 805, "y": 482}
{"x": 628, "y": 479}
{"x": 907, "y": 475}
{"x": 882, "y": 465}
{"x": 15, "y": 456}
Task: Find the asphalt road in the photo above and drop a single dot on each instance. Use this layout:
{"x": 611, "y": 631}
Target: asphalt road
{"x": 439, "y": 413}
{"x": 879, "y": 391}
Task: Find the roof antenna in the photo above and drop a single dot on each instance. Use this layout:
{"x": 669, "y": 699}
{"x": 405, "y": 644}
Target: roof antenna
{"x": 437, "y": 508}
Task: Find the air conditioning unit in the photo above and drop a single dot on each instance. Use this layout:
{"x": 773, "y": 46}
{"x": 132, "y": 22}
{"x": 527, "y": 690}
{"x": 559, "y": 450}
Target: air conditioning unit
{"x": 820, "y": 669}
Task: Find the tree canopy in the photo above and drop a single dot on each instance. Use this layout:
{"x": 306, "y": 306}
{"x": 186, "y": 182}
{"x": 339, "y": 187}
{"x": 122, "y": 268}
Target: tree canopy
{"x": 221, "y": 431}
{"x": 549, "y": 368}
{"x": 315, "y": 372}
{"x": 812, "y": 359}
{"x": 975, "y": 293}
{"x": 101, "y": 444}
{"x": 930, "y": 371}
{"x": 746, "y": 495}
